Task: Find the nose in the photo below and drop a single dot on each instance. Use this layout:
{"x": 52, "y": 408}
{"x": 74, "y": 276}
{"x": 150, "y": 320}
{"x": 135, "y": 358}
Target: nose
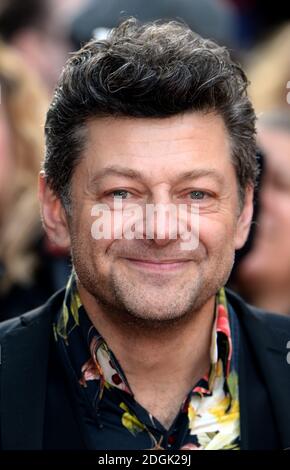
{"x": 166, "y": 220}
{"x": 161, "y": 223}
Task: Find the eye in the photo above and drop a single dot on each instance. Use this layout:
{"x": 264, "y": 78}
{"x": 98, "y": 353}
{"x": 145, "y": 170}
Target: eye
{"x": 197, "y": 195}
{"x": 119, "y": 194}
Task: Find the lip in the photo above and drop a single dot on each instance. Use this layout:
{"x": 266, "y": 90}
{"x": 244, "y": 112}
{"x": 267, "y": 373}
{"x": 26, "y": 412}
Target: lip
{"x": 163, "y": 266}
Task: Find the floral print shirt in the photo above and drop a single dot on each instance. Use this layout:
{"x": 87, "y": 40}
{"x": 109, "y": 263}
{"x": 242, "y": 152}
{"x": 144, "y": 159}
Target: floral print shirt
{"x": 111, "y": 418}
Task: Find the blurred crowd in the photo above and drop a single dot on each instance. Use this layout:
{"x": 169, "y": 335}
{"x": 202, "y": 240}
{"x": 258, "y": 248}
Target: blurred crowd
{"x": 36, "y": 38}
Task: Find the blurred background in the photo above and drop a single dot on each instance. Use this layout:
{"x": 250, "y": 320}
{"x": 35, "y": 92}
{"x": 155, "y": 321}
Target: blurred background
{"x": 36, "y": 38}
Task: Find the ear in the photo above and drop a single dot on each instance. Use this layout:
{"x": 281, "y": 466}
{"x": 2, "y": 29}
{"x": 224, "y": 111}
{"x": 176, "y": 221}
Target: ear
{"x": 53, "y": 214}
{"x": 245, "y": 219}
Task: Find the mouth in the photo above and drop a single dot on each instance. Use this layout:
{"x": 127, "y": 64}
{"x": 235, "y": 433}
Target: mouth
{"x": 158, "y": 266}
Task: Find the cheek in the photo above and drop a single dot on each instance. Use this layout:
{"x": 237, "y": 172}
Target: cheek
{"x": 217, "y": 235}
{"x": 94, "y": 232}
{"x": 91, "y": 255}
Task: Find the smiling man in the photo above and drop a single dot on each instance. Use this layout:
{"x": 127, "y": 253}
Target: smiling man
{"x": 144, "y": 348}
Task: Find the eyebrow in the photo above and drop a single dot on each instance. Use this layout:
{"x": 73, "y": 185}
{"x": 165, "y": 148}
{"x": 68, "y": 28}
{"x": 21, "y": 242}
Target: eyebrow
{"x": 117, "y": 170}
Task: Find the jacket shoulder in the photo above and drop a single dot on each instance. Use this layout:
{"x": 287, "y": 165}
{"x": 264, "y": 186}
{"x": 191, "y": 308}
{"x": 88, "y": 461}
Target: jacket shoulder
{"x": 250, "y": 315}
{"x": 25, "y": 348}
{"x": 31, "y": 317}
{"x": 274, "y": 320}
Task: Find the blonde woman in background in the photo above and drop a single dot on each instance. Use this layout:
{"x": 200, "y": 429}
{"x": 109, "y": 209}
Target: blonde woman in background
{"x": 268, "y": 70}
{"x": 263, "y": 277}
{"x": 25, "y": 258}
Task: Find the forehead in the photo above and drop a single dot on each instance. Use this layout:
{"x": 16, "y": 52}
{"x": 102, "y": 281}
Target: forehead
{"x": 158, "y": 146}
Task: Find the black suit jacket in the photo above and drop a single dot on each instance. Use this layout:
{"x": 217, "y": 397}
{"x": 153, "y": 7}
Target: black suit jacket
{"x": 35, "y": 408}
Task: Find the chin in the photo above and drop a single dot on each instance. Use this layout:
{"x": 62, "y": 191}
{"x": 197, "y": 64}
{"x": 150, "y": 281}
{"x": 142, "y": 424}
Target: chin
{"x": 158, "y": 313}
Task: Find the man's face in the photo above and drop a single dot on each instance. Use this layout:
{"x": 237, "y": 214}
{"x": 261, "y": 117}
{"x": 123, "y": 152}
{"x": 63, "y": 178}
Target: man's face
{"x": 148, "y": 160}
